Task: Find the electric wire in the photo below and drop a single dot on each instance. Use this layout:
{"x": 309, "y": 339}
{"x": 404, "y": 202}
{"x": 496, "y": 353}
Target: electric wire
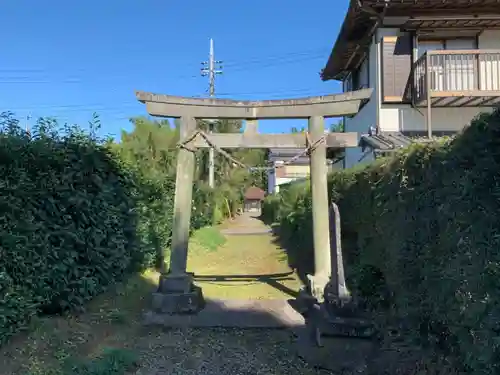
{"x": 120, "y": 106}
{"x": 243, "y": 66}
{"x": 118, "y": 109}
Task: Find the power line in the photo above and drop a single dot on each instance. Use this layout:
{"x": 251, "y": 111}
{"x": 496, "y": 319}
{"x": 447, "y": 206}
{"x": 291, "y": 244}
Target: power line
{"x": 130, "y": 105}
{"x": 237, "y": 68}
{"x": 313, "y": 52}
{"x": 270, "y": 61}
{"x": 74, "y": 108}
{"x": 72, "y": 80}
{"x": 274, "y": 92}
{"x": 278, "y": 63}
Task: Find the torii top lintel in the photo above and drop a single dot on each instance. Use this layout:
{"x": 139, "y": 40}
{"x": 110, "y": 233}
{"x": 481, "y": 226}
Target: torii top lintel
{"x": 326, "y": 106}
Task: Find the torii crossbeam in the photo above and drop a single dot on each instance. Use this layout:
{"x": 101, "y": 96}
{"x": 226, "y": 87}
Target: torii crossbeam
{"x": 177, "y": 292}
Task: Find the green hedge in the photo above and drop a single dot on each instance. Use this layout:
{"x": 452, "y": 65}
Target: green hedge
{"x": 271, "y": 208}
{"x": 75, "y": 218}
{"x": 428, "y": 220}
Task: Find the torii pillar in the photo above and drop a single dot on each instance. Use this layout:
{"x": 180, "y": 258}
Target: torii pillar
{"x": 177, "y": 292}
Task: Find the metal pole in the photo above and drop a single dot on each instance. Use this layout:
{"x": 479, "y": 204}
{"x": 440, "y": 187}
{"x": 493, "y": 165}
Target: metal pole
{"x": 211, "y": 153}
{"x": 428, "y": 90}
{"x": 28, "y": 129}
{"x": 210, "y": 70}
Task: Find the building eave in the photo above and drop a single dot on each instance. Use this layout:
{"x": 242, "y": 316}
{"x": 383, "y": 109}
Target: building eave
{"x": 363, "y": 18}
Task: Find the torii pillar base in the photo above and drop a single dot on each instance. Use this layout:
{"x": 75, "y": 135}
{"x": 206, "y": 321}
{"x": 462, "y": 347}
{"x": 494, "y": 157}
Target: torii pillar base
{"x": 177, "y": 294}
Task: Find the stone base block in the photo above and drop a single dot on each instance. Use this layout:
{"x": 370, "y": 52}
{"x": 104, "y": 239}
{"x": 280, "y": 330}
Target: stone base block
{"x": 171, "y": 283}
{"x": 189, "y": 302}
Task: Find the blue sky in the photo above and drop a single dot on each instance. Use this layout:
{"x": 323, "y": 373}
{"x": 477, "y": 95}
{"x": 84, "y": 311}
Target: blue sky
{"x": 68, "y": 59}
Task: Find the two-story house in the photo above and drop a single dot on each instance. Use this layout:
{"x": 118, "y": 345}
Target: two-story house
{"x": 433, "y": 64}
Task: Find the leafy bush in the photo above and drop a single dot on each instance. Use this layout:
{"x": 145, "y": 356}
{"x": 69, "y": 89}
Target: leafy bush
{"x": 77, "y": 216}
{"x": 271, "y": 208}
{"x": 67, "y": 226}
{"x": 425, "y": 223}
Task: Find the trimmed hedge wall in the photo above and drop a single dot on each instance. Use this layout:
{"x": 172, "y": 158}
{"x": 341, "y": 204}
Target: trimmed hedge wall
{"x": 428, "y": 222}
{"x": 75, "y": 218}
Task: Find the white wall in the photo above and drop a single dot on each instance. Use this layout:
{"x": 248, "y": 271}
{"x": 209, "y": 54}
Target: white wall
{"x": 400, "y": 117}
{"x": 489, "y": 71}
{"x": 285, "y": 180}
{"x": 489, "y": 39}
{"x": 367, "y": 117}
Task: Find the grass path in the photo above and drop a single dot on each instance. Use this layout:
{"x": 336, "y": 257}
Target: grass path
{"x": 245, "y": 266}
{"x": 235, "y": 267}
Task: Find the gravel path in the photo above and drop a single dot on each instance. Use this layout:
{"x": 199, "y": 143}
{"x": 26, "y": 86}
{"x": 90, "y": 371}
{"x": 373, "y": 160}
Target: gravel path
{"x": 220, "y": 352}
{"x": 231, "y": 351}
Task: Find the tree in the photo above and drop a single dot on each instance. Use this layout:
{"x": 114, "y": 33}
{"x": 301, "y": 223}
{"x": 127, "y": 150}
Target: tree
{"x": 338, "y": 127}
{"x": 229, "y": 176}
{"x": 153, "y": 144}
{"x": 297, "y": 130}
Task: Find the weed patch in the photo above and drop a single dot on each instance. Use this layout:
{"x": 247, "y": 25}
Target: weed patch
{"x": 209, "y": 238}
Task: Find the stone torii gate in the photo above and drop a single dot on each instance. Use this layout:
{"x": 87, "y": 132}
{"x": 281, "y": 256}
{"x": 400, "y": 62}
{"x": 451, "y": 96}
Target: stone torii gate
{"x": 176, "y": 292}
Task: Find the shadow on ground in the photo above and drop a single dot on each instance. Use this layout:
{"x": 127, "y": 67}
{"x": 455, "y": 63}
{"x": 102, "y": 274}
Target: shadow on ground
{"x": 272, "y": 280}
{"x": 299, "y": 256}
{"x": 229, "y": 336}
{"x": 115, "y": 320}
{"x": 247, "y": 337}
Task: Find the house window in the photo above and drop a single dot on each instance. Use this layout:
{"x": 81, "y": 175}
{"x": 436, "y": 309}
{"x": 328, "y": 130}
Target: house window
{"x": 396, "y": 66}
{"x": 360, "y": 76}
{"x": 425, "y": 45}
{"x": 347, "y": 83}
{"x": 429, "y": 45}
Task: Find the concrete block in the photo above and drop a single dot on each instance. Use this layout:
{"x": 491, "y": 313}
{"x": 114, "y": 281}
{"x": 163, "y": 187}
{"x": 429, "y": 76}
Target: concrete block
{"x": 170, "y": 283}
{"x": 178, "y": 303}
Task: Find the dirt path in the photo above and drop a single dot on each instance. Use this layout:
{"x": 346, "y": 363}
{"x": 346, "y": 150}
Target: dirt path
{"x": 245, "y": 266}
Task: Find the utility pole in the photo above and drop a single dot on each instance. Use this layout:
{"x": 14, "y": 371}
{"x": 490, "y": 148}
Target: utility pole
{"x": 28, "y": 130}
{"x": 211, "y": 71}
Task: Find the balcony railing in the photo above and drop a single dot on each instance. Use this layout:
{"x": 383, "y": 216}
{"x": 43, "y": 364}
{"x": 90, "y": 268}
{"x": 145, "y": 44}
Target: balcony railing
{"x": 469, "y": 77}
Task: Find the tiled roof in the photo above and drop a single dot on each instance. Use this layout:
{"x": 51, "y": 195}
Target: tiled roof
{"x": 285, "y": 154}
{"x": 254, "y": 193}
{"x": 387, "y": 141}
